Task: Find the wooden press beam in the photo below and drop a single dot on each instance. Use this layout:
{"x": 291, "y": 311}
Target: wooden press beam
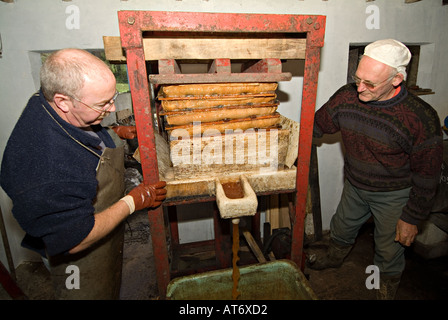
{"x": 210, "y": 48}
{"x": 218, "y": 77}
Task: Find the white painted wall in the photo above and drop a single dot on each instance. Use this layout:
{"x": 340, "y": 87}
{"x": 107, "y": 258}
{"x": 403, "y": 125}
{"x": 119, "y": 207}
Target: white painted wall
{"x": 27, "y": 26}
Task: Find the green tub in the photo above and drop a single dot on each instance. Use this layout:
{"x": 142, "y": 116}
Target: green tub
{"x": 276, "y": 280}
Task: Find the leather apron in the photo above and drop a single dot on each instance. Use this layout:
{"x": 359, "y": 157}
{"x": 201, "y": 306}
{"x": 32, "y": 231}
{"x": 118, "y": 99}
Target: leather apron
{"x": 99, "y": 265}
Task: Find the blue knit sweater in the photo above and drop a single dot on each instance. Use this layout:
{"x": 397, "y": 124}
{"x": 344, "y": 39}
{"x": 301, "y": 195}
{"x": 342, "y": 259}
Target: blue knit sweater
{"x": 50, "y": 178}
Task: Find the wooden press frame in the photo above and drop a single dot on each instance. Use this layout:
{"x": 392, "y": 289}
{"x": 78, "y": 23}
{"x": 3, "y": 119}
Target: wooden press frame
{"x": 133, "y": 24}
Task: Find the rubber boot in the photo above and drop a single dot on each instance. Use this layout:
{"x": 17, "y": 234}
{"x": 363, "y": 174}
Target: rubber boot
{"x": 388, "y": 287}
{"x": 333, "y": 258}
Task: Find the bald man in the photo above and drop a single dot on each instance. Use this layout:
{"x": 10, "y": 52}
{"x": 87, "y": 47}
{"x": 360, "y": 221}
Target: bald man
{"x": 64, "y": 174}
{"x": 392, "y": 164}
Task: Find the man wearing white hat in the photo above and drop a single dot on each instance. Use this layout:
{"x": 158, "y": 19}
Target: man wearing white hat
{"x": 392, "y": 164}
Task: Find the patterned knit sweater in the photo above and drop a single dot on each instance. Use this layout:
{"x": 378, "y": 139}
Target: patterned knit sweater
{"x": 389, "y": 145}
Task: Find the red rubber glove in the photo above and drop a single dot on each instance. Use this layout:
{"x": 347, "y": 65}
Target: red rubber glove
{"x": 148, "y": 195}
{"x": 125, "y": 132}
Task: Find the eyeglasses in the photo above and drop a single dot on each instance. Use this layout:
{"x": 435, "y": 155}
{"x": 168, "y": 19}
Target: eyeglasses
{"x": 370, "y": 85}
{"x": 102, "y": 108}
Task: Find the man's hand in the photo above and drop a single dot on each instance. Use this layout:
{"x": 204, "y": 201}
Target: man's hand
{"x": 405, "y": 233}
{"x": 148, "y": 195}
{"x": 125, "y": 132}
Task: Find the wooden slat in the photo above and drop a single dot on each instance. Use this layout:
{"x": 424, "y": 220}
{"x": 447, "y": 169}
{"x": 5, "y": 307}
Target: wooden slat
{"x": 210, "y": 48}
{"x": 113, "y": 50}
{"x": 215, "y": 48}
{"x": 218, "y": 77}
{"x": 254, "y": 246}
{"x": 277, "y": 213}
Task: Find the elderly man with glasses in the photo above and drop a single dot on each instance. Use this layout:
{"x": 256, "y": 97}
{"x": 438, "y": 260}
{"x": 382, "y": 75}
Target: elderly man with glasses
{"x": 392, "y": 161}
{"x": 65, "y": 175}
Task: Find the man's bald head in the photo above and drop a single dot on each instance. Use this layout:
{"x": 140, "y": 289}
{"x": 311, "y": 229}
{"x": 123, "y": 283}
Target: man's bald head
{"x": 65, "y": 71}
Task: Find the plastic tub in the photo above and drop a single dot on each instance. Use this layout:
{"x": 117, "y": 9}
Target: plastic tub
{"x": 275, "y": 280}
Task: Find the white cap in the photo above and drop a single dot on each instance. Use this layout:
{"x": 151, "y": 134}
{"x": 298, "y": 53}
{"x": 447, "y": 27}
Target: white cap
{"x": 390, "y": 52}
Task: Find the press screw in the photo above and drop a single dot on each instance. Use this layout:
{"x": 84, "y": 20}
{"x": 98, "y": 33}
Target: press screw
{"x": 131, "y": 20}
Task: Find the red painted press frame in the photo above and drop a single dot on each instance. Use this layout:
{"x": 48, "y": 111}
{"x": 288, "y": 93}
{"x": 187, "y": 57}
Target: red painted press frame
{"x": 132, "y": 24}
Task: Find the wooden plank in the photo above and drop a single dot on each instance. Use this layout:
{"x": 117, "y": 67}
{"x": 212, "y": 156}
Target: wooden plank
{"x": 254, "y": 246}
{"x": 210, "y": 48}
{"x": 277, "y": 213}
{"x": 169, "y": 66}
{"x": 220, "y": 66}
{"x": 270, "y": 65}
{"x": 272, "y": 212}
{"x": 215, "y": 48}
{"x": 218, "y": 77}
{"x": 284, "y": 219}
{"x": 113, "y": 50}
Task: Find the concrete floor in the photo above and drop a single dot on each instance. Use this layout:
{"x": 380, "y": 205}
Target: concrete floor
{"x": 422, "y": 280}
